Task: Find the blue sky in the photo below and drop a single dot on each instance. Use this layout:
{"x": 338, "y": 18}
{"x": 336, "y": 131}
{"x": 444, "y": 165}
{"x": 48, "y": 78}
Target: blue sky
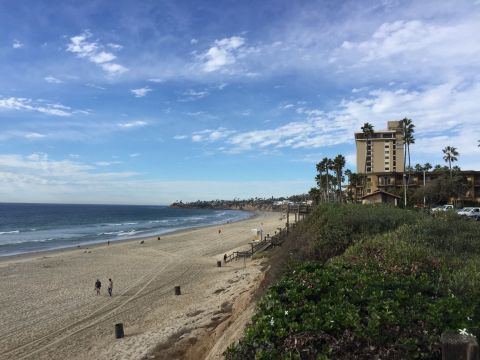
{"x": 148, "y": 102}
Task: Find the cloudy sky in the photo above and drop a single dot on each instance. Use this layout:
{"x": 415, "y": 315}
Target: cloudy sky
{"x": 150, "y": 102}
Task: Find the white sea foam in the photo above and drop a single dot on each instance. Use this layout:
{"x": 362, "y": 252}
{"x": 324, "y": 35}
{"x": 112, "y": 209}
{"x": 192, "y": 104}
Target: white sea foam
{"x": 127, "y": 233}
{"x": 10, "y": 232}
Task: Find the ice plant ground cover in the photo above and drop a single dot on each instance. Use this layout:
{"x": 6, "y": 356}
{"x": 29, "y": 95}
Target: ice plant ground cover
{"x": 391, "y": 293}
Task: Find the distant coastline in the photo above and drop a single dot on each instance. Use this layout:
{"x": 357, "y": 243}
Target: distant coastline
{"x": 255, "y": 204}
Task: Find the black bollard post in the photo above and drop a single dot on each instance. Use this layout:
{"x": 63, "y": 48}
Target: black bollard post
{"x": 458, "y": 346}
{"x": 119, "y": 331}
{"x": 219, "y": 264}
{"x": 177, "y": 290}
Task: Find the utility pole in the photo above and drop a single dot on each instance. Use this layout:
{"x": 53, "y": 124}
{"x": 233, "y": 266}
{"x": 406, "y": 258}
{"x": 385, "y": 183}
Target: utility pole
{"x": 424, "y": 198}
{"x": 288, "y": 214}
{"x": 405, "y": 189}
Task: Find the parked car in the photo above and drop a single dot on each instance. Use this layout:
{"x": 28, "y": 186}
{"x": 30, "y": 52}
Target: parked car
{"x": 443, "y": 208}
{"x": 473, "y": 213}
{"x": 464, "y": 211}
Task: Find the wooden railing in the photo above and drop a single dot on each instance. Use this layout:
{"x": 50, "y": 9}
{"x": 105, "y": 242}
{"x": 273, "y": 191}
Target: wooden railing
{"x": 268, "y": 241}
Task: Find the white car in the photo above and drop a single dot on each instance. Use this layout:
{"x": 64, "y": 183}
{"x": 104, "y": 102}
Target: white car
{"x": 464, "y": 211}
{"x": 473, "y": 213}
{"x": 443, "y": 208}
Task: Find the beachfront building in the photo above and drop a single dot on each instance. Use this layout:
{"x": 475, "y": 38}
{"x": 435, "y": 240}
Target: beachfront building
{"x": 381, "y": 197}
{"x": 380, "y": 164}
{"x": 382, "y": 151}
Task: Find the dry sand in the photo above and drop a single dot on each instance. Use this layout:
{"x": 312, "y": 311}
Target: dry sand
{"x": 49, "y": 310}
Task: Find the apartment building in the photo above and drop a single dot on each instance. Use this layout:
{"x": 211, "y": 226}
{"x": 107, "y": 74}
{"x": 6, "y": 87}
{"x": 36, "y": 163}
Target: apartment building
{"x": 380, "y": 160}
{"x": 382, "y": 151}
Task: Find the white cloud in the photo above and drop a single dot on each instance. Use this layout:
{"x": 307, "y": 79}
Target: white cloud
{"x": 38, "y": 170}
{"x": 114, "y": 69}
{"x": 133, "y": 124}
{"x": 180, "y": 137}
{"x": 107, "y": 163}
{"x": 210, "y": 135}
{"x": 34, "y": 135}
{"x": 53, "y": 80}
{"x": 222, "y": 53}
{"x": 95, "y": 86}
{"x": 102, "y": 57}
{"x": 83, "y": 47}
{"x": 141, "y": 92}
{"x": 191, "y": 95}
{"x": 14, "y": 103}
{"x": 447, "y": 111}
{"x": 115, "y": 46}
{"x": 412, "y": 48}
{"x": 194, "y": 41}
{"x": 134, "y": 155}
{"x": 17, "y": 44}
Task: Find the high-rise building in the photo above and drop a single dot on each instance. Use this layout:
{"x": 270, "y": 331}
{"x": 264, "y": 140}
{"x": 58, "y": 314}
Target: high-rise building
{"x": 382, "y": 151}
{"x": 380, "y": 162}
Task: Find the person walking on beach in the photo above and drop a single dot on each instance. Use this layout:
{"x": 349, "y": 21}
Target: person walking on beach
{"x": 98, "y": 285}
{"x": 110, "y": 287}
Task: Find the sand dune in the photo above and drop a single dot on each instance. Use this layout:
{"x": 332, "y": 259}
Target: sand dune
{"x": 49, "y": 310}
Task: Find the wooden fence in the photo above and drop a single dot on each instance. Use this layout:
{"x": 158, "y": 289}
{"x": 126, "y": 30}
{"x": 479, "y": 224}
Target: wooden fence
{"x": 257, "y": 246}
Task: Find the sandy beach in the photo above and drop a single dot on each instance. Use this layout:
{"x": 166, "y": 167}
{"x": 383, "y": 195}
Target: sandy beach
{"x": 49, "y": 309}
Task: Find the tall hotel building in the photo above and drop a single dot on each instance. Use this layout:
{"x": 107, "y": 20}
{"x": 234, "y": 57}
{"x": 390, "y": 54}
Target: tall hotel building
{"x": 380, "y": 162}
{"x": 382, "y": 151}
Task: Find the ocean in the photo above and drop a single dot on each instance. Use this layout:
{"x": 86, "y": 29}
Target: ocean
{"x": 26, "y": 228}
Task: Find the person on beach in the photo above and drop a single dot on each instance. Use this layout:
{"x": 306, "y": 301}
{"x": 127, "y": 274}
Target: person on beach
{"x": 225, "y": 258}
{"x": 110, "y": 287}
{"x": 98, "y": 285}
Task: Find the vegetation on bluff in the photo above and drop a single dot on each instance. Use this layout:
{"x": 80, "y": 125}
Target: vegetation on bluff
{"x": 400, "y": 280}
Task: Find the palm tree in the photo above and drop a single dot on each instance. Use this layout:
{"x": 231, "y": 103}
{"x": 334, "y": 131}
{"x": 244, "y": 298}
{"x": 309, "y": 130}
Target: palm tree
{"x": 339, "y": 164}
{"x": 329, "y": 167}
{"x": 318, "y": 178}
{"x": 451, "y": 154}
{"x": 324, "y": 166}
{"x": 427, "y": 167}
{"x": 407, "y": 127}
{"x": 367, "y": 130}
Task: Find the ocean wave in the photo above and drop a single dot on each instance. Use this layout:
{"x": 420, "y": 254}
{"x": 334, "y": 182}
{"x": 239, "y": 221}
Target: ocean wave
{"x": 120, "y": 233}
{"x": 27, "y": 241}
{"x": 127, "y": 233}
{"x": 130, "y": 223}
{"x": 10, "y": 232}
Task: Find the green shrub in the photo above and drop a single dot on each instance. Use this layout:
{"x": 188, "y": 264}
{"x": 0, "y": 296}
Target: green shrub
{"x": 402, "y": 281}
{"x": 331, "y": 228}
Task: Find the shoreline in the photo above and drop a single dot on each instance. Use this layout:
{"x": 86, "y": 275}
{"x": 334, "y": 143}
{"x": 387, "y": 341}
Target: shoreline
{"x": 55, "y": 314}
{"x": 94, "y": 245}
